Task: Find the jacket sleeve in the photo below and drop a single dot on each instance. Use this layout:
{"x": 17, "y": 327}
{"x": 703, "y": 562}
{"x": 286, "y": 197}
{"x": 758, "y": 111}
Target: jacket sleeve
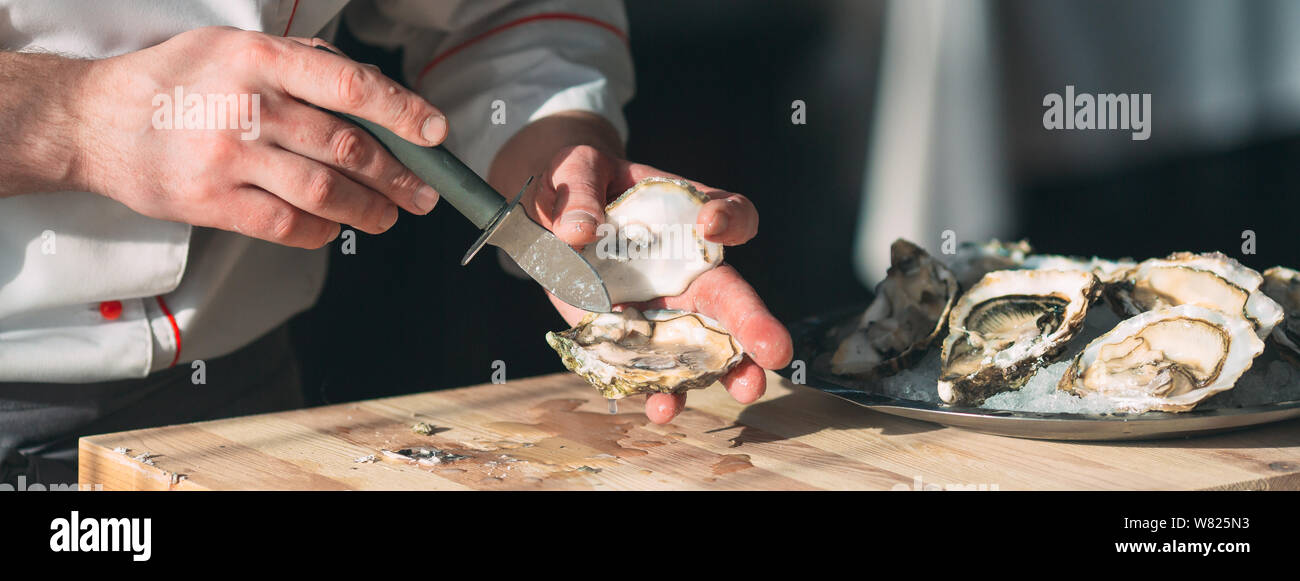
{"x": 493, "y": 66}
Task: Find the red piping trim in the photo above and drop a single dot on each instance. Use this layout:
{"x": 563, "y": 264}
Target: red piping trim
{"x": 525, "y": 20}
{"x": 291, "y": 15}
{"x": 176, "y": 329}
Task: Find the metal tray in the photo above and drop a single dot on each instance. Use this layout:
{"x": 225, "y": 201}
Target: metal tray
{"x": 811, "y": 341}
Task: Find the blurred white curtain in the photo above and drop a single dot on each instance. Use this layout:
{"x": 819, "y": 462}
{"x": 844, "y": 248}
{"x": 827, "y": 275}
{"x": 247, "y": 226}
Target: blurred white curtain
{"x": 934, "y": 163}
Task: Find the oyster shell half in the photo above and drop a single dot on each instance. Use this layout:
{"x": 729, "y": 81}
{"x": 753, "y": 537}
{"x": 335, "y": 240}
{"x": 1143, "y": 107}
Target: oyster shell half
{"x": 1283, "y": 285}
{"x": 908, "y": 312}
{"x": 976, "y": 259}
{"x": 1211, "y": 280}
{"x": 1007, "y": 326}
{"x": 630, "y": 352}
{"x": 1107, "y": 271}
{"x": 1169, "y": 359}
{"x": 648, "y": 246}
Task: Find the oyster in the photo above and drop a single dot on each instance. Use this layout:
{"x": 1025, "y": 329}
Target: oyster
{"x": 1169, "y": 359}
{"x": 1107, "y": 271}
{"x": 974, "y": 260}
{"x": 906, "y": 315}
{"x": 1007, "y": 326}
{"x": 630, "y": 352}
{"x": 648, "y": 246}
{"x": 1211, "y": 280}
{"x": 1283, "y": 285}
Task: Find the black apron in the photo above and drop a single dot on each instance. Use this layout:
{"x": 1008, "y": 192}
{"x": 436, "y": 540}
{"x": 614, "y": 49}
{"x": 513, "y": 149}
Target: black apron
{"x": 41, "y": 422}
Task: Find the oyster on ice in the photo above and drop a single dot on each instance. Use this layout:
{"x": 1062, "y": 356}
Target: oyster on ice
{"x": 648, "y": 245}
{"x": 1107, "y": 271}
{"x": 630, "y": 352}
{"x": 1211, "y": 280}
{"x": 1169, "y": 359}
{"x": 908, "y": 312}
{"x": 1007, "y": 326}
{"x": 974, "y": 260}
{"x": 1283, "y": 285}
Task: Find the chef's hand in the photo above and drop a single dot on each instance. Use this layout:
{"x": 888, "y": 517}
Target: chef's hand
{"x": 585, "y": 169}
{"x": 293, "y": 178}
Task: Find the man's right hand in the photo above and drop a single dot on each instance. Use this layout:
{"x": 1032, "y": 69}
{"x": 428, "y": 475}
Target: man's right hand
{"x": 304, "y": 174}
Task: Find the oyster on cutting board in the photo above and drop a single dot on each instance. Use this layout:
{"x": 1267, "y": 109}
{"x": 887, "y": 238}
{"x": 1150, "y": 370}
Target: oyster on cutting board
{"x": 649, "y": 249}
{"x": 908, "y": 313}
{"x": 1007, "y": 326}
{"x": 630, "y": 352}
{"x": 1169, "y": 359}
{"x": 1211, "y": 280}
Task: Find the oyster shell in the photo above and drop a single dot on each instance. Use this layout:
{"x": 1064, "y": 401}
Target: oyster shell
{"x": 630, "y": 352}
{"x": 907, "y": 314}
{"x": 1283, "y": 286}
{"x": 1007, "y": 326}
{"x": 1169, "y": 359}
{"x": 974, "y": 260}
{"x": 648, "y": 246}
{"x": 1211, "y": 280}
{"x": 1107, "y": 271}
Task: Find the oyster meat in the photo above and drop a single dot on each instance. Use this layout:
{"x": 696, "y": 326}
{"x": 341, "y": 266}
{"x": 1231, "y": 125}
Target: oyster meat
{"x": 1210, "y": 280}
{"x": 648, "y": 246}
{"x": 1168, "y": 359}
{"x": 1007, "y": 326}
{"x": 908, "y": 312}
{"x": 630, "y": 352}
{"x": 1283, "y": 286}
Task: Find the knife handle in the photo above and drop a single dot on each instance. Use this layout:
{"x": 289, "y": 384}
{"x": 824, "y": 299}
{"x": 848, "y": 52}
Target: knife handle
{"x": 455, "y": 181}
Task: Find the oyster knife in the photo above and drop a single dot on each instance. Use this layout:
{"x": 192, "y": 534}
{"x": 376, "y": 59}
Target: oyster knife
{"x": 552, "y": 263}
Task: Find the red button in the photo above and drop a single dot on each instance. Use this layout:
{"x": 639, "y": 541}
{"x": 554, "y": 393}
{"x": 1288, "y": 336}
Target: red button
{"x": 110, "y": 310}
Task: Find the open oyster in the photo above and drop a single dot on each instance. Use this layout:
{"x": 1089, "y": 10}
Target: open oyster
{"x": 907, "y": 314}
{"x": 1107, "y": 271}
{"x": 1169, "y": 359}
{"x": 1283, "y": 285}
{"x": 1211, "y": 280}
{"x": 648, "y": 246}
{"x": 1007, "y": 326}
{"x": 629, "y": 352}
{"x": 974, "y": 260}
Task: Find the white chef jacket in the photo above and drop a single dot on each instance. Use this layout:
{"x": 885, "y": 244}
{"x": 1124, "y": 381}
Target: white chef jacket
{"x": 92, "y": 291}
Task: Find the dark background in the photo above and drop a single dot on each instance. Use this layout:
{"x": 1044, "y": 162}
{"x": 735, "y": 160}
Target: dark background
{"x": 715, "y": 83}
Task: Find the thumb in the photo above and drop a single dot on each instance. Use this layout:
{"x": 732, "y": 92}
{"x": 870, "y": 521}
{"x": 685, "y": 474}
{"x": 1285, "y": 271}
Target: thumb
{"x": 580, "y": 178}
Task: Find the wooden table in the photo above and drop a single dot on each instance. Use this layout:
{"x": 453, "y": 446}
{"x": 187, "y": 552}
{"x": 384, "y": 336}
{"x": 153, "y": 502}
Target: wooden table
{"x": 554, "y": 432}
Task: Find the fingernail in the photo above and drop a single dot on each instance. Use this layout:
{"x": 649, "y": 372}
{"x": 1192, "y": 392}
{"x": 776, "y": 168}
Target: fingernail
{"x": 580, "y": 221}
{"x": 435, "y": 128}
{"x": 425, "y": 198}
{"x": 717, "y": 226}
{"x": 390, "y": 218}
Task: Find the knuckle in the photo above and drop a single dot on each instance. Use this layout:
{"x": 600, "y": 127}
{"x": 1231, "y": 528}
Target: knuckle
{"x": 349, "y": 148}
{"x": 255, "y": 50}
{"x": 402, "y": 109}
{"x": 404, "y": 181}
{"x": 284, "y": 224}
{"x": 320, "y": 187}
{"x": 352, "y": 86}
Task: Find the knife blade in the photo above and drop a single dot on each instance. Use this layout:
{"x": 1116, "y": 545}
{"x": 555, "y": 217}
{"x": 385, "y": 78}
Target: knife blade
{"x": 550, "y": 262}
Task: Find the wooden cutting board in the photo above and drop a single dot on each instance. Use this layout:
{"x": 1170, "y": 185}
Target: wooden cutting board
{"x": 554, "y": 432}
